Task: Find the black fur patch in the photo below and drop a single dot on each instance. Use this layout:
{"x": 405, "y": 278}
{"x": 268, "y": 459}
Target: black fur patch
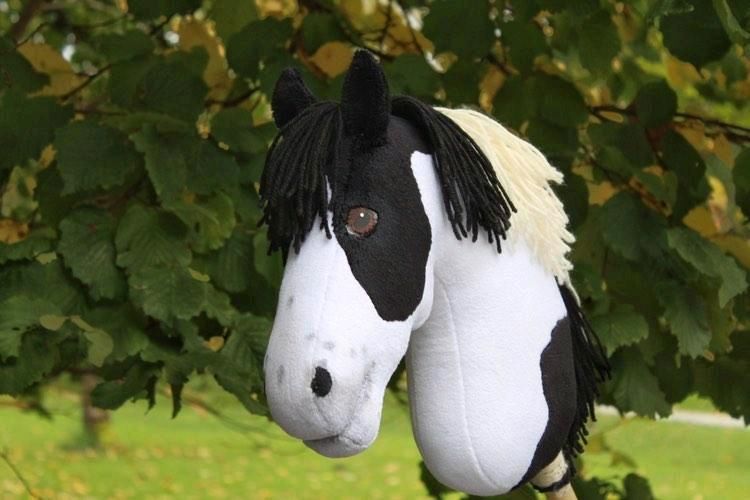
{"x": 390, "y": 263}
{"x": 559, "y": 385}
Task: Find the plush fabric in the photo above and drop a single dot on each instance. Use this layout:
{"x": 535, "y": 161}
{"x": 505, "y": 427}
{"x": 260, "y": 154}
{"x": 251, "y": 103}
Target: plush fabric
{"x": 502, "y": 364}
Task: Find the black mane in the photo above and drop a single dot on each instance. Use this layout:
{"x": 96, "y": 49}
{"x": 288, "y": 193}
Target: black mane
{"x": 293, "y": 188}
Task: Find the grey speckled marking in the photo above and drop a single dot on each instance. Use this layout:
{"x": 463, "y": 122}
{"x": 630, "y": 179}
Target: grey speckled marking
{"x": 353, "y": 352}
{"x": 280, "y": 374}
{"x": 329, "y": 346}
{"x": 290, "y": 301}
{"x": 310, "y": 336}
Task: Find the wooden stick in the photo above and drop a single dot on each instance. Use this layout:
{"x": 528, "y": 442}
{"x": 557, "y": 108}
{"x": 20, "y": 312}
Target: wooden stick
{"x": 564, "y": 493}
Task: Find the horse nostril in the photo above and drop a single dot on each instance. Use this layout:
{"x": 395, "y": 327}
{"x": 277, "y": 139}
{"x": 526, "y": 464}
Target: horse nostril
{"x": 321, "y": 382}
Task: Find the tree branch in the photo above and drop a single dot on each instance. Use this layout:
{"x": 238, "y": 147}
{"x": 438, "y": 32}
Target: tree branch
{"x": 27, "y": 14}
{"x": 234, "y": 101}
{"x": 738, "y": 133}
{"x": 6, "y": 458}
{"x": 89, "y": 79}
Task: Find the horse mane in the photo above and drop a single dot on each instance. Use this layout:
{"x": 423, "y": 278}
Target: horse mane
{"x": 293, "y": 188}
{"x": 540, "y": 221}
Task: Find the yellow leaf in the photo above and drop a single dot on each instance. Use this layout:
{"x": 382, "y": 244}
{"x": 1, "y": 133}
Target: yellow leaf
{"x": 722, "y": 148}
{"x": 12, "y": 231}
{"x": 491, "y": 82}
{"x": 739, "y": 247}
{"x": 332, "y": 58}
{"x": 680, "y": 74}
{"x": 276, "y": 8}
{"x": 194, "y": 33}
{"x": 600, "y": 193}
{"x": 45, "y": 59}
{"x": 214, "y": 343}
{"x": 700, "y": 220}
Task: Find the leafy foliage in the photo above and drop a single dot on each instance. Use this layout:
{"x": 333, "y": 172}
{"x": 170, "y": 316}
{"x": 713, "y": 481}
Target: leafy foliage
{"x": 128, "y": 225}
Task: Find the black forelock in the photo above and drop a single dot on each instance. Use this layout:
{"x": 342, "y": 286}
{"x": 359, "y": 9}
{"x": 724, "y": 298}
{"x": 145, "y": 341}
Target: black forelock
{"x": 307, "y": 152}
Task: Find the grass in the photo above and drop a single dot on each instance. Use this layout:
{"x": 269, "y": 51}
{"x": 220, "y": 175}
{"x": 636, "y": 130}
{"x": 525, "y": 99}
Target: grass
{"x": 197, "y": 455}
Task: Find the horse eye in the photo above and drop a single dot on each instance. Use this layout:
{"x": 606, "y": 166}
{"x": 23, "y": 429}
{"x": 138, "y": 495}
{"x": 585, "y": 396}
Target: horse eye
{"x": 361, "y": 221}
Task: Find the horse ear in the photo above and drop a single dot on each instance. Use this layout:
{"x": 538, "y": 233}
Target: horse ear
{"x": 365, "y": 101}
{"x": 290, "y": 97}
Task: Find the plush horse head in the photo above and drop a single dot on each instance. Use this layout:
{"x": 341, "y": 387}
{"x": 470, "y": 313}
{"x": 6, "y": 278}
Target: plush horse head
{"x": 378, "y": 205}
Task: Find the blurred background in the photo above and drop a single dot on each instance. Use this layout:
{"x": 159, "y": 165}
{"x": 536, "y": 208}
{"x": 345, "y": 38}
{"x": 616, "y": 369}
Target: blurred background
{"x": 136, "y": 293}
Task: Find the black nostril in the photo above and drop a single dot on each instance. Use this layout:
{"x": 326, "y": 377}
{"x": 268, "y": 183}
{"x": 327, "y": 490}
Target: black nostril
{"x": 321, "y": 382}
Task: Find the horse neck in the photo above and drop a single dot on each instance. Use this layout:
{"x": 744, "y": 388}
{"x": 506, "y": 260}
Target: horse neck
{"x": 472, "y": 273}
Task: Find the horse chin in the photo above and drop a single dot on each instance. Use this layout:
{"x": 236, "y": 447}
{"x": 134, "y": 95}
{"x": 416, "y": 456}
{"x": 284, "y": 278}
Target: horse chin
{"x": 338, "y": 446}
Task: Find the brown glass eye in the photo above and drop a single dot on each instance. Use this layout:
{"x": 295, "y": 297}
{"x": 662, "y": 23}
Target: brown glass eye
{"x": 361, "y": 221}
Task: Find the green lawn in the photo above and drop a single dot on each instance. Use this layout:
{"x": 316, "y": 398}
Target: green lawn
{"x": 201, "y": 456}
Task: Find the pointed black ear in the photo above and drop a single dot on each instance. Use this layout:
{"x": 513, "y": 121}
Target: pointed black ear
{"x": 365, "y": 102}
{"x": 290, "y": 97}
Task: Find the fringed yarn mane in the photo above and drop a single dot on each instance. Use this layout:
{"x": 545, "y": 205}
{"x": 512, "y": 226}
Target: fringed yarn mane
{"x": 473, "y": 196}
{"x": 293, "y": 185}
{"x": 294, "y": 192}
{"x": 540, "y": 221}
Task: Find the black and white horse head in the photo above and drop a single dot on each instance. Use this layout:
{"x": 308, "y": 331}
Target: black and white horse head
{"x": 377, "y": 203}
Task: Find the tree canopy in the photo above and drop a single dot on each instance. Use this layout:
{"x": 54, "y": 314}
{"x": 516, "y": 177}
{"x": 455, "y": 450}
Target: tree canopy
{"x": 133, "y": 134}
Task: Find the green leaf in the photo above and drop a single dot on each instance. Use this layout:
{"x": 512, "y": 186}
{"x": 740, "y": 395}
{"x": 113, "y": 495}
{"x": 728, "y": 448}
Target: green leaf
{"x": 637, "y": 488}
{"x": 319, "y": 28}
{"x": 619, "y": 328}
{"x": 513, "y": 103}
{"x": 116, "y": 47}
{"x": 656, "y": 104}
{"x": 125, "y": 77}
{"x": 167, "y": 292}
{"x": 410, "y": 74}
{"x": 16, "y": 72}
{"x": 681, "y": 158}
{"x": 173, "y": 89}
{"x": 559, "y": 144}
{"x": 36, "y": 242}
{"x": 177, "y": 161}
{"x": 90, "y": 155}
{"x": 709, "y": 260}
{"x": 232, "y": 266}
{"x": 696, "y": 35}
{"x": 241, "y": 361}
{"x": 558, "y": 101}
{"x": 687, "y": 317}
{"x": 631, "y": 229}
{"x": 112, "y": 394}
{"x": 88, "y": 248}
{"x": 234, "y": 127}
{"x": 598, "y": 43}
{"x": 732, "y": 27}
{"x": 630, "y": 139}
{"x": 442, "y": 19}
{"x": 124, "y": 325}
{"x": 37, "y": 356}
{"x": 149, "y": 9}
{"x": 211, "y": 220}
{"x": 27, "y": 125}
{"x": 150, "y": 237}
{"x": 525, "y": 42}
{"x": 231, "y": 15}
{"x": 45, "y": 281}
{"x": 18, "y": 315}
{"x": 741, "y": 175}
{"x": 634, "y": 387}
{"x": 461, "y": 82}
{"x": 574, "y": 194}
{"x": 100, "y": 343}
{"x": 256, "y": 43}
